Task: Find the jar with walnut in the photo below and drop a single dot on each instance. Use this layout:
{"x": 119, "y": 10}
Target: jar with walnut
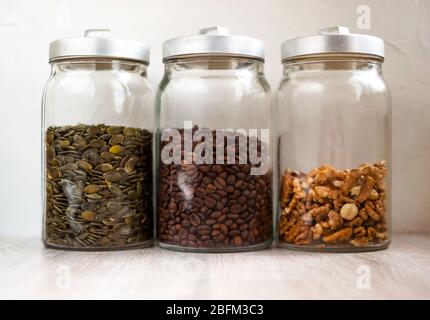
{"x": 333, "y": 144}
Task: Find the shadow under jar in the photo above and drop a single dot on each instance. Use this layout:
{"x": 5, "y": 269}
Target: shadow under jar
{"x": 333, "y": 144}
{"x": 215, "y": 186}
{"x": 97, "y": 146}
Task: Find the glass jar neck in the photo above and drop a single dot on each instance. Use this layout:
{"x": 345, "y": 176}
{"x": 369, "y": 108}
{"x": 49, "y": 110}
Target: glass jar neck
{"x": 334, "y": 63}
{"x": 215, "y": 63}
{"x": 98, "y": 64}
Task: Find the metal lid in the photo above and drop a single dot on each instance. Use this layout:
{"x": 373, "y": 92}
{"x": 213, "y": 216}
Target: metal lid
{"x": 96, "y": 47}
{"x": 216, "y": 41}
{"x": 333, "y": 40}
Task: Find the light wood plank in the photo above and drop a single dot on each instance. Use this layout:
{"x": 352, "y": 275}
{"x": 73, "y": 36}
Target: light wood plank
{"x": 27, "y": 270}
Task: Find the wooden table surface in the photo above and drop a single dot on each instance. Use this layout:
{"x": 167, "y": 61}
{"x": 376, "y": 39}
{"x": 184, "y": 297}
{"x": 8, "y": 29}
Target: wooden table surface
{"x": 28, "y": 271}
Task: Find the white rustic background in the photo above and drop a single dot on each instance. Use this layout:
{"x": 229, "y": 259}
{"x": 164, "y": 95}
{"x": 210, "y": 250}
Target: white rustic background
{"x": 27, "y": 27}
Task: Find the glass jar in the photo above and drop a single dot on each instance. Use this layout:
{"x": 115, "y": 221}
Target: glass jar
{"x": 215, "y": 192}
{"x": 334, "y": 144}
{"x": 97, "y": 145}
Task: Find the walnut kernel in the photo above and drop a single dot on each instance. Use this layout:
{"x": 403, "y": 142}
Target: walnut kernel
{"x": 349, "y": 211}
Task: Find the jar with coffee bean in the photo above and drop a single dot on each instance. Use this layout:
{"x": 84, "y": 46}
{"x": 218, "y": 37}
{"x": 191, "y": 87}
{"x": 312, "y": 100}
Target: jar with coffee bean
{"x": 333, "y": 144}
{"x": 97, "y": 145}
{"x": 215, "y": 175}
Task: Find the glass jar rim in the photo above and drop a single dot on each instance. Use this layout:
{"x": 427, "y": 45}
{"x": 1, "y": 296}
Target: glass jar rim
{"x": 333, "y": 57}
{"x": 96, "y": 59}
{"x": 211, "y": 55}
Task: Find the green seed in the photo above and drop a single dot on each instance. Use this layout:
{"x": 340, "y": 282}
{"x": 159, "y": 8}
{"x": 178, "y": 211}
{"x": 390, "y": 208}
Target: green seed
{"x": 49, "y": 137}
{"x": 88, "y": 216}
{"x": 104, "y": 167}
{"x": 129, "y": 165}
{"x": 116, "y": 139}
{"x": 129, "y": 132}
{"x": 114, "y": 130}
{"x": 112, "y": 176}
{"x": 64, "y": 143}
{"x": 92, "y": 192}
{"x": 79, "y": 140}
{"x": 116, "y": 149}
{"x": 70, "y": 167}
{"x": 84, "y": 165}
{"x": 92, "y": 188}
{"x": 107, "y": 155}
{"x": 97, "y": 143}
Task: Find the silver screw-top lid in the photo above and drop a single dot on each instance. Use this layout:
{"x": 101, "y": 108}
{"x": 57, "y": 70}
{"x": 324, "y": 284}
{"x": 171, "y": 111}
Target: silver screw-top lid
{"x": 96, "y": 47}
{"x": 333, "y": 40}
{"x": 213, "y": 41}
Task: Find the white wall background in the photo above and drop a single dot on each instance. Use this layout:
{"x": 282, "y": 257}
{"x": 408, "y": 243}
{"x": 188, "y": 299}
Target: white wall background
{"x": 27, "y": 27}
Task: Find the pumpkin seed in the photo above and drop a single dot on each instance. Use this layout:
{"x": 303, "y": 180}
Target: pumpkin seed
{"x": 92, "y": 188}
{"x": 97, "y": 143}
{"x": 129, "y": 132}
{"x": 114, "y": 130}
{"x": 94, "y": 178}
{"x": 104, "y": 167}
{"x": 116, "y": 149}
{"x": 116, "y": 139}
{"x": 88, "y": 216}
{"x": 129, "y": 165}
{"x": 107, "y": 155}
{"x": 63, "y": 143}
{"x": 112, "y": 176}
{"x": 84, "y": 165}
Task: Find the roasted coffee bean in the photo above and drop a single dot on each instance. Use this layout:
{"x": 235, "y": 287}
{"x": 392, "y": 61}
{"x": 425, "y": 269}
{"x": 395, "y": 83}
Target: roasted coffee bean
{"x": 210, "y": 202}
{"x": 217, "y": 205}
{"x": 183, "y": 233}
{"x": 195, "y": 220}
{"x": 231, "y": 179}
{"x": 220, "y": 183}
{"x": 98, "y": 190}
{"x": 203, "y": 229}
{"x": 237, "y": 241}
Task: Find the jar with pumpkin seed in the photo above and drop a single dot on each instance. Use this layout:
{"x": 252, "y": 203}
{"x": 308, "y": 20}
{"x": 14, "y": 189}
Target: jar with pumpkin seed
{"x": 97, "y": 145}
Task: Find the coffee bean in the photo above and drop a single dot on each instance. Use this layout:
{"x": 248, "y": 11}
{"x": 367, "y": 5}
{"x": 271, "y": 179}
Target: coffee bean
{"x": 238, "y": 184}
{"x": 213, "y": 205}
{"x": 183, "y": 233}
{"x": 220, "y": 183}
{"x": 217, "y": 168}
{"x": 216, "y": 214}
{"x": 221, "y": 219}
{"x": 223, "y": 228}
{"x": 231, "y": 179}
{"x": 211, "y": 188}
{"x": 204, "y": 168}
{"x": 237, "y": 241}
{"x": 236, "y": 208}
{"x": 220, "y": 238}
{"x": 229, "y": 189}
{"x": 234, "y": 233}
{"x": 210, "y": 202}
{"x": 219, "y": 206}
{"x": 210, "y": 221}
{"x": 201, "y": 192}
{"x": 203, "y": 229}
{"x": 186, "y": 224}
{"x": 195, "y": 220}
